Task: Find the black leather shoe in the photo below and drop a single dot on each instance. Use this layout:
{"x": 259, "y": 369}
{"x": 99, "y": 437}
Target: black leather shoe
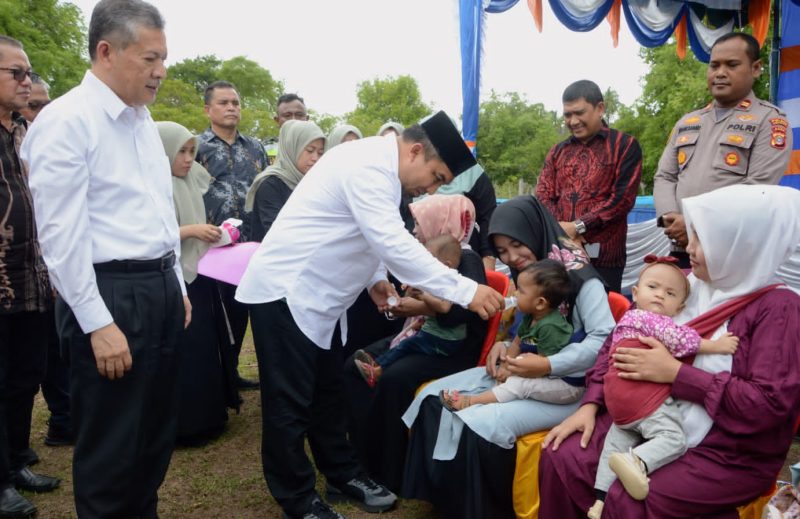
{"x": 12, "y": 504}
{"x": 24, "y": 479}
{"x": 245, "y": 384}
{"x": 57, "y": 437}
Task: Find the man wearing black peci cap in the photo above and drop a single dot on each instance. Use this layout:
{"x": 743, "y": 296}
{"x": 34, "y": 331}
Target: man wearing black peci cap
{"x": 337, "y": 234}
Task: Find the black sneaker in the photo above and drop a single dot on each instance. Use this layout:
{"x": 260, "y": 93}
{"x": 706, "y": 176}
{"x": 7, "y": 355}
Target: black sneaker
{"x": 319, "y": 510}
{"x": 364, "y": 493}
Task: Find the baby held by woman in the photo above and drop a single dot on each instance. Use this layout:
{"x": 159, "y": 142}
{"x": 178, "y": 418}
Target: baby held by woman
{"x": 647, "y": 432}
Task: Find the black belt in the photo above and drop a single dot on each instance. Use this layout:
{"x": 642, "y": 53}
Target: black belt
{"x": 162, "y": 264}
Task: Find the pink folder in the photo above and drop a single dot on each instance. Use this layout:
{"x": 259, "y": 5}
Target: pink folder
{"x": 227, "y": 263}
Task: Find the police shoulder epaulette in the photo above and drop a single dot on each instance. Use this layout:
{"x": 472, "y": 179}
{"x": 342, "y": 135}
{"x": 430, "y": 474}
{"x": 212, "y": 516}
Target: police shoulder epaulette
{"x": 772, "y": 106}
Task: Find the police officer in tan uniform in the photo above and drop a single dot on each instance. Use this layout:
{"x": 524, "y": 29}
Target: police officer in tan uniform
{"x": 736, "y": 139}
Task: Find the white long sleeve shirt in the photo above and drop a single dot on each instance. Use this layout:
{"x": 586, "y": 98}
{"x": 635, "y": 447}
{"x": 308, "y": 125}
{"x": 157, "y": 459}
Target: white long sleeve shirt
{"x": 331, "y": 239}
{"x": 102, "y": 191}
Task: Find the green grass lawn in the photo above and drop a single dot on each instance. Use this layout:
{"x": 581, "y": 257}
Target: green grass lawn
{"x": 222, "y": 480}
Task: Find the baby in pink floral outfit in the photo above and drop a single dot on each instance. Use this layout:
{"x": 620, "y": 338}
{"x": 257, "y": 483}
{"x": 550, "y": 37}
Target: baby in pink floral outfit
{"x": 647, "y": 432}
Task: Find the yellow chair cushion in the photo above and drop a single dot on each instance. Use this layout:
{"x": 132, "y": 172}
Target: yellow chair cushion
{"x": 525, "y": 490}
{"x": 754, "y": 509}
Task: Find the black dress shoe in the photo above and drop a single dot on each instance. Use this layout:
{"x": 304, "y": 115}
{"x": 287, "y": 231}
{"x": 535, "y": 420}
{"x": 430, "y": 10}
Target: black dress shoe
{"x": 14, "y": 505}
{"x": 24, "y": 479}
{"x": 57, "y": 437}
{"x": 245, "y": 384}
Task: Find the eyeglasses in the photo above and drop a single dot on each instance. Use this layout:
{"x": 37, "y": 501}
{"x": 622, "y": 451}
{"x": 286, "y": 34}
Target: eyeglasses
{"x": 19, "y": 74}
{"x": 37, "y": 105}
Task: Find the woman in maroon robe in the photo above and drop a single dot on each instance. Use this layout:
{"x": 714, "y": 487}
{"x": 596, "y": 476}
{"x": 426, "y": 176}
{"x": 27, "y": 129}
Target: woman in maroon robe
{"x": 739, "y": 411}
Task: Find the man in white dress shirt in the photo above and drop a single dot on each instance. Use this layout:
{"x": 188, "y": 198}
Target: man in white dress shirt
{"x": 336, "y": 235}
{"x": 102, "y": 193}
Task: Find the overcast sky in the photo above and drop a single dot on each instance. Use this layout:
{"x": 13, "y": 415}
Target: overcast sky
{"x": 322, "y": 49}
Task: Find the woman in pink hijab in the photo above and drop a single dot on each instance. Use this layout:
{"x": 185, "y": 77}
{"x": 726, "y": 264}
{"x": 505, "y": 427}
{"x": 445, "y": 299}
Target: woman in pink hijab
{"x": 375, "y": 427}
{"x": 437, "y": 215}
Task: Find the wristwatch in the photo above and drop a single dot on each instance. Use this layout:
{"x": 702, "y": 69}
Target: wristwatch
{"x": 580, "y": 227}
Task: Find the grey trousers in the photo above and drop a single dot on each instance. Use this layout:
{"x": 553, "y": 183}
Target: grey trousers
{"x": 657, "y": 440}
{"x": 550, "y": 390}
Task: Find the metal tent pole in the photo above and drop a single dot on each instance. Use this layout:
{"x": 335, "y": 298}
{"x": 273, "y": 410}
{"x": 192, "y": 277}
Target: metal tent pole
{"x": 775, "y": 52}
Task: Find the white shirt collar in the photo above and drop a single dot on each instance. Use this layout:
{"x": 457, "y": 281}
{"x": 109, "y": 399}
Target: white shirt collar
{"x": 109, "y": 101}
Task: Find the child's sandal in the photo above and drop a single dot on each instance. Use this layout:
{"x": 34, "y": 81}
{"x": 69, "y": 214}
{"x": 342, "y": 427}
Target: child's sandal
{"x": 367, "y": 372}
{"x": 449, "y": 399}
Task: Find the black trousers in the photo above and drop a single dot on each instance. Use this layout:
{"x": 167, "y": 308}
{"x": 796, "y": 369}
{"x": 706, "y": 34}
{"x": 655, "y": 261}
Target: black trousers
{"x": 237, "y": 314}
{"x": 302, "y": 395}
{"x": 55, "y": 386}
{"x": 125, "y": 428}
{"x": 23, "y": 360}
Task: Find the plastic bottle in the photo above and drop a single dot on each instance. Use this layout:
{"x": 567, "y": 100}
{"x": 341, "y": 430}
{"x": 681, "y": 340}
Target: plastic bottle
{"x": 511, "y": 302}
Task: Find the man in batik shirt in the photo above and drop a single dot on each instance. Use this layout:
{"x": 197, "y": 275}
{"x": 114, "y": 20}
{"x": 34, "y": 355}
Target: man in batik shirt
{"x": 233, "y": 160}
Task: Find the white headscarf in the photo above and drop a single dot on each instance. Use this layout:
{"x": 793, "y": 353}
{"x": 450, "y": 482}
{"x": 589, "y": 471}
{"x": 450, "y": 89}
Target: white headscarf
{"x": 397, "y": 127}
{"x": 746, "y": 232}
{"x": 339, "y": 133}
{"x": 187, "y": 195}
{"x": 293, "y": 138}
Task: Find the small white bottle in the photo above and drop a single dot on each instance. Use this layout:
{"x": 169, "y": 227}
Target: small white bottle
{"x": 392, "y": 301}
{"x": 511, "y": 302}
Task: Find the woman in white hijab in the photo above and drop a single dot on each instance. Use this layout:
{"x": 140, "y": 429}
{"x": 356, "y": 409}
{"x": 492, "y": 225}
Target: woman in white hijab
{"x": 207, "y": 372}
{"x": 390, "y": 127}
{"x": 300, "y": 145}
{"x": 738, "y": 410}
{"x": 341, "y": 134}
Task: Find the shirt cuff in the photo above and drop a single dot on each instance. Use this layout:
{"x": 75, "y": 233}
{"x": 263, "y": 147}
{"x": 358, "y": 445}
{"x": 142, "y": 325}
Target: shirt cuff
{"x": 92, "y": 315}
{"x": 692, "y": 384}
{"x": 589, "y": 220}
{"x": 465, "y": 291}
{"x": 379, "y": 275}
{"x": 594, "y": 395}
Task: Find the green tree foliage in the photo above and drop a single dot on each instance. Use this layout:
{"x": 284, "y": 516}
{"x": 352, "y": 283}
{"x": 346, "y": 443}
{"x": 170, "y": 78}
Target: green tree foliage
{"x": 515, "y": 136}
{"x": 180, "y": 102}
{"x": 197, "y": 72}
{"x": 612, "y": 104}
{"x": 380, "y": 100}
{"x": 54, "y": 38}
{"x": 180, "y": 98}
{"x": 326, "y": 122}
{"x": 672, "y": 87}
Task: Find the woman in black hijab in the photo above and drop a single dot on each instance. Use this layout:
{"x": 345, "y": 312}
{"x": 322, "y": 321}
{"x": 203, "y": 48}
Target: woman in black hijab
{"x": 464, "y": 462}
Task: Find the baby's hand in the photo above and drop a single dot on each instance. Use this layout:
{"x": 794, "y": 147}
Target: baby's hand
{"x": 727, "y": 344}
{"x": 502, "y": 373}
